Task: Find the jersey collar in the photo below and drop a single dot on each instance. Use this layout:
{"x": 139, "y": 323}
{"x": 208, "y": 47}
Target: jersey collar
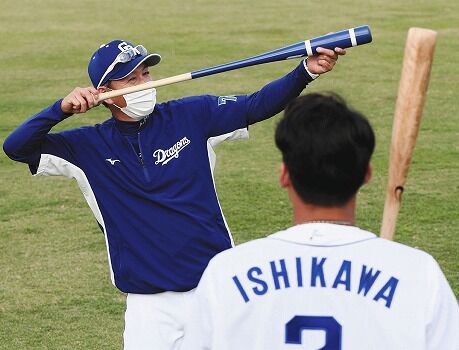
{"x": 128, "y": 128}
{"x": 323, "y": 234}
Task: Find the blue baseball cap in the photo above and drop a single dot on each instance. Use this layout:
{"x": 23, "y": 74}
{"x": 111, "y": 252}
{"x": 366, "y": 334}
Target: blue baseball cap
{"x": 116, "y": 60}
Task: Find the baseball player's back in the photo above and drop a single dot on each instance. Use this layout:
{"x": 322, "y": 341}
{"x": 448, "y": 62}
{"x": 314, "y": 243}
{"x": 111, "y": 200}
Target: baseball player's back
{"x": 323, "y": 283}
{"x": 324, "y": 286}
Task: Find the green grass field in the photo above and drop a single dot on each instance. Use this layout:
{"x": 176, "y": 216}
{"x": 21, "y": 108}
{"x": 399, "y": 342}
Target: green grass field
{"x": 55, "y": 290}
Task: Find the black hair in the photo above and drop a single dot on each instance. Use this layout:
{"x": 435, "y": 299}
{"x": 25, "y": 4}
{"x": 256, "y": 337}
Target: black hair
{"x": 326, "y": 147}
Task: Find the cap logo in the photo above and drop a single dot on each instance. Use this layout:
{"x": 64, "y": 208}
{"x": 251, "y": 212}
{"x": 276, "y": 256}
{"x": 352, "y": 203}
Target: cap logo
{"x": 126, "y": 47}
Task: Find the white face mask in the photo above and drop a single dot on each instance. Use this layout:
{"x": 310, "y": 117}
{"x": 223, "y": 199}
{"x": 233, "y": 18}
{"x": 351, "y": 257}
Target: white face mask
{"x": 139, "y": 104}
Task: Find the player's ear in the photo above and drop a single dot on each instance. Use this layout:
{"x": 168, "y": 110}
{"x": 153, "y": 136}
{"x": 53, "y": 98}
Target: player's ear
{"x": 369, "y": 174}
{"x": 284, "y": 177}
{"x": 108, "y": 101}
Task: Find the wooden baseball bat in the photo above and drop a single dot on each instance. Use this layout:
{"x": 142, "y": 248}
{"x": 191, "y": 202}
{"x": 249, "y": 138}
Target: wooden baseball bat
{"x": 344, "y": 39}
{"x": 414, "y": 80}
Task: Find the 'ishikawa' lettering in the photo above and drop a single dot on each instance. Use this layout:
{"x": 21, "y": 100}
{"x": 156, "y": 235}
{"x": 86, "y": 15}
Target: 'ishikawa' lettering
{"x": 344, "y": 276}
{"x": 261, "y": 287}
{"x": 367, "y": 279}
{"x": 387, "y": 292}
{"x": 317, "y": 271}
{"x": 278, "y": 274}
{"x": 283, "y": 274}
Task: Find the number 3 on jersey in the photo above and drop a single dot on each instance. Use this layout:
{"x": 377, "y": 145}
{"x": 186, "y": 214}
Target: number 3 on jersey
{"x": 332, "y": 329}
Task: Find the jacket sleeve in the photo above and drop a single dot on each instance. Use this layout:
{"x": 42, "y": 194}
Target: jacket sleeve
{"x": 26, "y": 143}
{"x": 229, "y": 113}
{"x": 273, "y": 98}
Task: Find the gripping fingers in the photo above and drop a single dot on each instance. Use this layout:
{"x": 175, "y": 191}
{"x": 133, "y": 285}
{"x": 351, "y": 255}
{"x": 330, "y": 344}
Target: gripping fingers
{"x": 82, "y": 104}
{"x": 81, "y": 100}
{"x": 326, "y": 64}
{"x": 331, "y": 53}
{"x": 340, "y": 51}
{"x": 325, "y": 60}
{"x": 326, "y": 52}
{"x": 89, "y": 96}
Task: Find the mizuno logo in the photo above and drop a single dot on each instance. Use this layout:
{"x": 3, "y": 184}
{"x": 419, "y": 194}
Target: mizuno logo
{"x": 112, "y": 161}
{"x": 165, "y": 156}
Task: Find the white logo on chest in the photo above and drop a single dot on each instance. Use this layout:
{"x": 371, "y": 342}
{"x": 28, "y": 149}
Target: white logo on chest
{"x": 112, "y": 161}
{"x": 165, "y": 156}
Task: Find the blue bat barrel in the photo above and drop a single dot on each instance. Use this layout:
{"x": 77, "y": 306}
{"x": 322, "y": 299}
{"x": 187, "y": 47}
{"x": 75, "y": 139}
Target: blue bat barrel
{"x": 343, "y": 39}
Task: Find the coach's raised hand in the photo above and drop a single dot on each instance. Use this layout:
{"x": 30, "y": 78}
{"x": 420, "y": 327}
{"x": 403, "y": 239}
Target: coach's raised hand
{"x": 80, "y": 100}
{"x": 325, "y": 60}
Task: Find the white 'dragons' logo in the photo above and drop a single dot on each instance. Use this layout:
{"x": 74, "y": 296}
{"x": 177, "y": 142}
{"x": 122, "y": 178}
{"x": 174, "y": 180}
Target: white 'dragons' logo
{"x": 165, "y": 156}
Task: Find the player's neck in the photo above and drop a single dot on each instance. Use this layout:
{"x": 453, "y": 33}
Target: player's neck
{"x": 122, "y": 116}
{"x": 303, "y": 213}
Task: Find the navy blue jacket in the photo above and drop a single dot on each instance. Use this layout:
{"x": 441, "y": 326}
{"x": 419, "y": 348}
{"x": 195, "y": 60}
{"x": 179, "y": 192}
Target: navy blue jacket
{"x": 149, "y": 184}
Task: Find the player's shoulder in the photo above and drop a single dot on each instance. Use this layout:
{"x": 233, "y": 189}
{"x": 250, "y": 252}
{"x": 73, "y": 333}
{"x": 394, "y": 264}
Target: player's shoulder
{"x": 82, "y": 131}
{"x": 91, "y": 130}
{"x": 188, "y": 102}
{"x": 182, "y": 107}
{"x": 403, "y": 256}
{"x": 240, "y": 252}
{"x": 89, "y": 134}
{"x": 401, "y": 248}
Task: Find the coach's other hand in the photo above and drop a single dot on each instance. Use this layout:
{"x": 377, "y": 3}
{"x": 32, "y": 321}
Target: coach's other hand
{"x": 325, "y": 60}
{"x": 80, "y": 100}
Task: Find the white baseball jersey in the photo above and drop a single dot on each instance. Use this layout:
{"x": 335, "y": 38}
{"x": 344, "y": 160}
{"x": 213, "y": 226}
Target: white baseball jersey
{"x": 323, "y": 286}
